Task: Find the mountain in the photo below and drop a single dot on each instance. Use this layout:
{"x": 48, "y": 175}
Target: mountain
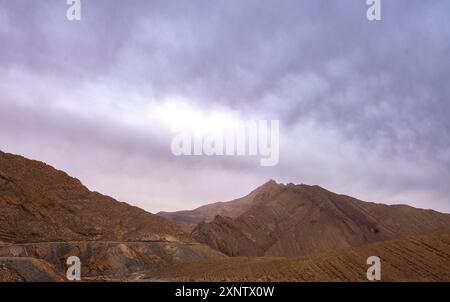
{"x": 39, "y": 203}
{"x": 295, "y": 220}
{"x": 417, "y": 258}
{"x": 46, "y": 214}
{"x": 188, "y": 220}
{"x": 26, "y": 269}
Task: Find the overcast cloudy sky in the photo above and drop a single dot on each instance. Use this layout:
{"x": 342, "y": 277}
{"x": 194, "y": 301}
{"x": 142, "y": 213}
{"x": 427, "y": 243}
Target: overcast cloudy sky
{"x": 364, "y": 107}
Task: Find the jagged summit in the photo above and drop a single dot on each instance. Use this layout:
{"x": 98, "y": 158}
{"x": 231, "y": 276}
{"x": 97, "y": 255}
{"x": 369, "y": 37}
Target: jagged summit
{"x": 294, "y": 220}
{"x": 188, "y": 220}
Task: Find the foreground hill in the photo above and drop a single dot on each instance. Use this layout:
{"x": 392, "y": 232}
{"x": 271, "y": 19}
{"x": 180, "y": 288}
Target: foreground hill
{"x": 295, "y": 220}
{"x": 419, "y": 258}
{"x": 39, "y": 203}
{"x": 46, "y": 214}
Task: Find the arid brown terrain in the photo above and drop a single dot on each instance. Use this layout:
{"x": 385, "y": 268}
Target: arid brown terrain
{"x": 296, "y": 220}
{"x": 419, "y": 258}
{"x": 42, "y": 204}
{"x": 47, "y": 215}
{"x": 276, "y": 233}
{"x": 188, "y": 220}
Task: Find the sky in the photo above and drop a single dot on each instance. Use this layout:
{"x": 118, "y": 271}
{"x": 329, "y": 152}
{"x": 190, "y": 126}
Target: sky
{"x": 363, "y": 106}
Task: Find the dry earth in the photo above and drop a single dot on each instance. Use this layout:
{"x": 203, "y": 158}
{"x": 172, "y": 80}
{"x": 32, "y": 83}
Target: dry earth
{"x": 424, "y": 258}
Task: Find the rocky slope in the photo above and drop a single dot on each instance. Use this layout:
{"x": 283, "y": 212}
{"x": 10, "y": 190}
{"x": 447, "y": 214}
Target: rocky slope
{"x": 28, "y": 269}
{"x": 39, "y": 203}
{"x": 419, "y": 258}
{"x": 107, "y": 258}
{"x": 46, "y": 214}
{"x": 295, "y": 220}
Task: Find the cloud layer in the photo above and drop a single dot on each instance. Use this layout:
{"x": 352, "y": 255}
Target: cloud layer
{"x": 363, "y": 106}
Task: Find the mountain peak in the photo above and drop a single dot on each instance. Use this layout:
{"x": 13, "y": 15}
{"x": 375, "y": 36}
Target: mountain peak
{"x": 295, "y": 220}
{"x": 269, "y": 185}
{"x": 271, "y": 182}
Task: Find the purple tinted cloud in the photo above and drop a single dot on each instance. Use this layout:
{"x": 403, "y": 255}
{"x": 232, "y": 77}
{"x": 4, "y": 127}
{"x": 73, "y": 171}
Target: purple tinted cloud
{"x": 363, "y": 105}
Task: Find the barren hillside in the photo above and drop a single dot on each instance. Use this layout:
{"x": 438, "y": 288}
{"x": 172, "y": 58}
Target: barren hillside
{"x": 46, "y": 214}
{"x": 419, "y": 258}
{"x": 295, "y": 220}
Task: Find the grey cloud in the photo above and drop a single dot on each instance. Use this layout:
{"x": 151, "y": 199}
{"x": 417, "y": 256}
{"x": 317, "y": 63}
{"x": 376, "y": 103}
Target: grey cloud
{"x": 318, "y": 66}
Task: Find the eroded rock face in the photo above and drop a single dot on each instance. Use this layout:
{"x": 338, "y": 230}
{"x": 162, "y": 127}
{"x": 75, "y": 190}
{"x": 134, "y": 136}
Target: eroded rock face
{"x": 102, "y": 258}
{"x": 27, "y": 270}
{"x": 295, "y": 220}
